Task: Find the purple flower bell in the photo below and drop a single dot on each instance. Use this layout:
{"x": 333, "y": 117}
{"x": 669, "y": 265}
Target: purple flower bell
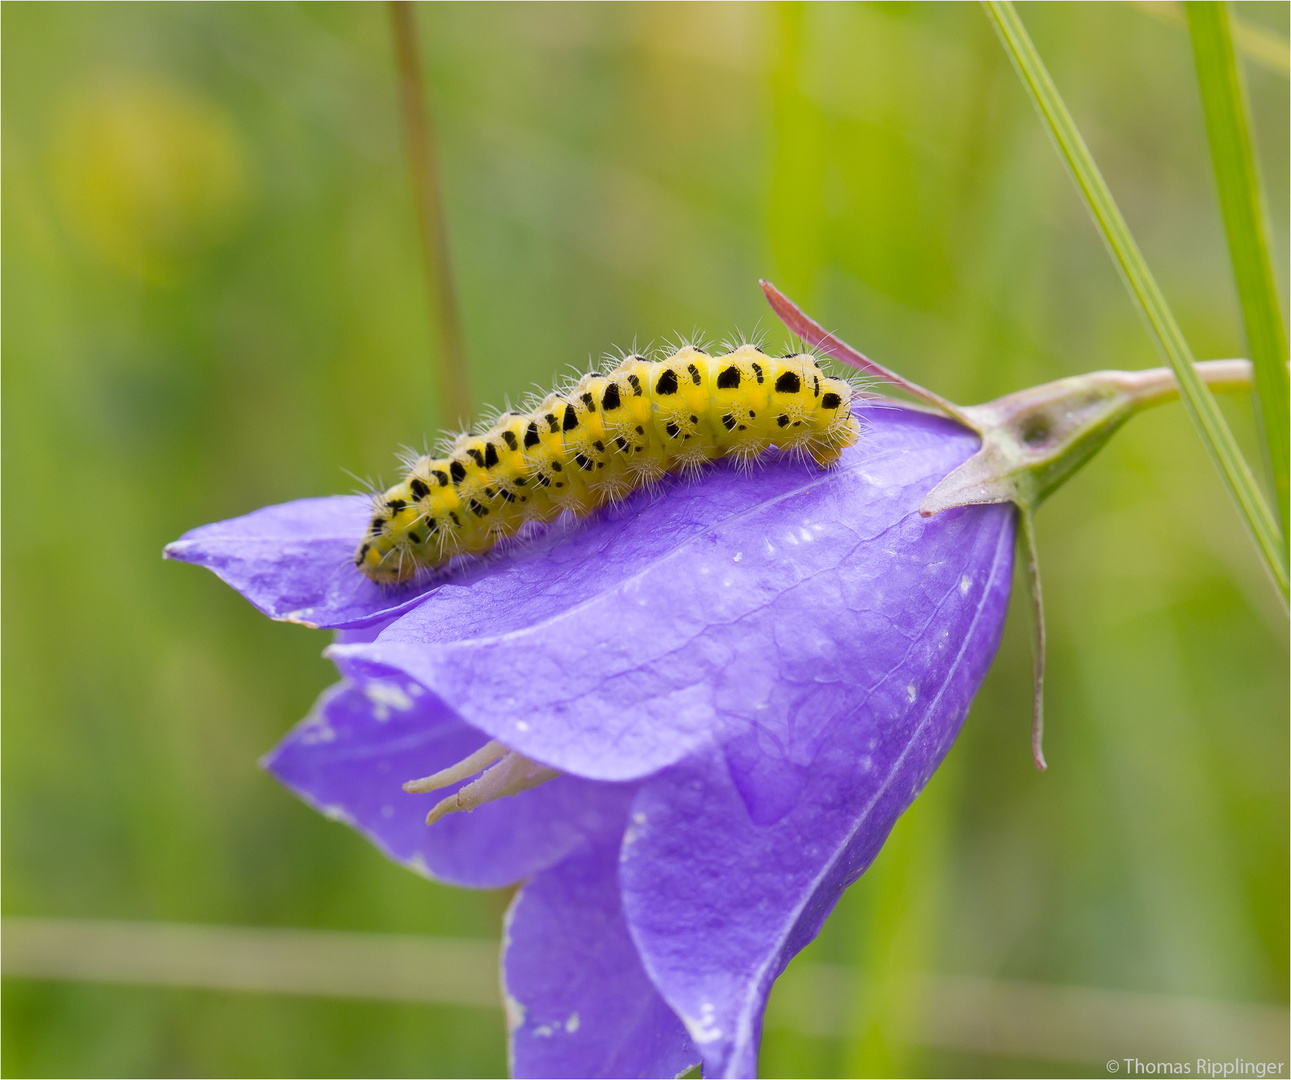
{"x": 711, "y": 701}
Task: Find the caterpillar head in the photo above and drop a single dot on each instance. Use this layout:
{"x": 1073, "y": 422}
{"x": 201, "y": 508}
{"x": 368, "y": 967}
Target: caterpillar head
{"x": 412, "y": 524}
{"x": 385, "y": 555}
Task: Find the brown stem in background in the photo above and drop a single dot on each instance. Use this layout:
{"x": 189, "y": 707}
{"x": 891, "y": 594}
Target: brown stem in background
{"x": 419, "y": 137}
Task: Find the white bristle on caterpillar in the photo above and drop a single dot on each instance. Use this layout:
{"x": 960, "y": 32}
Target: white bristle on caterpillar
{"x": 596, "y": 440}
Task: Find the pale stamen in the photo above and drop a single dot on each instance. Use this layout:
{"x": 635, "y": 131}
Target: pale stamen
{"x": 507, "y": 773}
{"x": 485, "y": 756}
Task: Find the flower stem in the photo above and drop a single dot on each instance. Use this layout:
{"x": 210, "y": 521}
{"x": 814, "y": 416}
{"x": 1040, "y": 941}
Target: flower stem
{"x": 424, "y": 165}
{"x": 1034, "y": 440}
{"x": 1155, "y": 386}
{"x": 1198, "y": 401}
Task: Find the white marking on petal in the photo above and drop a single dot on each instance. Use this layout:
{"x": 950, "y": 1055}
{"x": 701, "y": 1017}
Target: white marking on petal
{"x": 319, "y": 732}
{"x": 702, "y": 1030}
{"x": 515, "y": 1011}
{"x": 911, "y": 693}
{"x": 635, "y": 828}
{"x": 965, "y": 583}
{"x": 338, "y": 813}
{"x": 386, "y": 696}
{"x": 571, "y": 1025}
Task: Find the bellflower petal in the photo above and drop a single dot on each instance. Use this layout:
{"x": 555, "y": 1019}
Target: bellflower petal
{"x": 672, "y": 621}
{"x": 579, "y": 1002}
{"x": 719, "y": 903}
{"x": 351, "y": 755}
{"x": 698, "y": 712}
{"x": 745, "y": 679}
{"x": 295, "y": 562}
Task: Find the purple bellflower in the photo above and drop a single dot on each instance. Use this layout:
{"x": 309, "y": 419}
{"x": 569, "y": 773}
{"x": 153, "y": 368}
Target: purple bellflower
{"x": 712, "y": 702}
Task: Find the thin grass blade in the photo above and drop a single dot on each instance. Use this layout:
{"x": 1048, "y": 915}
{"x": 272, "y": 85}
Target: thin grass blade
{"x": 1197, "y": 399}
{"x": 1223, "y": 97}
{"x": 1257, "y": 44}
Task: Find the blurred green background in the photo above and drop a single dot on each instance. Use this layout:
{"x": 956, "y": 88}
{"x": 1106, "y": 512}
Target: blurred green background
{"x": 214, "y": 299}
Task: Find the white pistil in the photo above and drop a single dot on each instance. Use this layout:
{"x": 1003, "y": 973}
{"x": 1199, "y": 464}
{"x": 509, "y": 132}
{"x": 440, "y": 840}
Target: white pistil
{"x": 505, "y": 773}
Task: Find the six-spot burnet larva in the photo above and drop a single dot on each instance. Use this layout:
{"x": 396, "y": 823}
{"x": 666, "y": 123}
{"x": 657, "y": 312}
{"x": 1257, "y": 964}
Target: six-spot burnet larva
{"x": 596, "y": 441}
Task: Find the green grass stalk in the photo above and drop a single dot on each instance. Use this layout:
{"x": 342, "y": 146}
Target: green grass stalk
{"x": 1197, "y": 399}
{"x": 1241, "y": 199}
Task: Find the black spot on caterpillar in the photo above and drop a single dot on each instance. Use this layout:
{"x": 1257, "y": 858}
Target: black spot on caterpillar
{"x": 788, "y": 383}
{"x": 593, "y": 442}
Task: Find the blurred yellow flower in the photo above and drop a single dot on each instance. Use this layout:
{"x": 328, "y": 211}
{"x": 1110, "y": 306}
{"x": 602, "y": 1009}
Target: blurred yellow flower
{"x": 149, "y": 175}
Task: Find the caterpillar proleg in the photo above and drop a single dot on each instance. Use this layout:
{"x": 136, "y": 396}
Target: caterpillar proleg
{"x": 596, "y": 441}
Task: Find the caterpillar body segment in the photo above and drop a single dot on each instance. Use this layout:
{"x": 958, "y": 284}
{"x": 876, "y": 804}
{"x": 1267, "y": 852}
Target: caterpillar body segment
{"x": 601, "y": 438}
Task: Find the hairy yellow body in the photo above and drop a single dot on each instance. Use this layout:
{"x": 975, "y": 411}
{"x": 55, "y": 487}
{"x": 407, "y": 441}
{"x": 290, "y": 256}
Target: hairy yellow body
{"x": 603, "y": 437}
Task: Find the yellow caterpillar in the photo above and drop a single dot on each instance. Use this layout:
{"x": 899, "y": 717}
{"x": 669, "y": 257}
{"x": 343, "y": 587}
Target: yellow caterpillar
{"x": 598, "y": 440}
